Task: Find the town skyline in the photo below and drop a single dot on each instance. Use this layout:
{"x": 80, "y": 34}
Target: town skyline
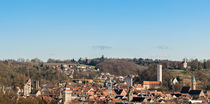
{"x": 104, "y": 51}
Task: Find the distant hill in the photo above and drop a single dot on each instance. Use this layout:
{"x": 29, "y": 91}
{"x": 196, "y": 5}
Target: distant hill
{"x": 119, "y": 66}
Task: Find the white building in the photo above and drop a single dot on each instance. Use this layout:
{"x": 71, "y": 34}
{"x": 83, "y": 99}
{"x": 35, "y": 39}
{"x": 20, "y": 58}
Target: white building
{"x": 159, "y": 73}
{"x": 175, "y": 81}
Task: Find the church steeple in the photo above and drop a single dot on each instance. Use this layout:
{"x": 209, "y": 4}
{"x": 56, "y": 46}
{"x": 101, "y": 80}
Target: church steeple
{"x": 193, "y": 83}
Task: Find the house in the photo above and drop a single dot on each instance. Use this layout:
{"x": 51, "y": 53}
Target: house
{"x": 19, "y": 91}
{"x": 138, "y": 99}
{"x": 45, "y": 91}
{"x": 176, "y": 95}
{"x": 197, "y": 93}
{"x": 195, "y": 101}
{"x": 120, "y": 92}
{"x": 138, "y": 87}
{"x": 36, "y": 93}
{"x": 151, "y": 84}
{"x": 175, "y": 81}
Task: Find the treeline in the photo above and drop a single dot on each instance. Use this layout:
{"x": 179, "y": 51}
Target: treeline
{"x": 192, "y": 63}
{"x": 167, "y": 64}
{"x": 13, "y": 73}
{"x": 119, "y": 67}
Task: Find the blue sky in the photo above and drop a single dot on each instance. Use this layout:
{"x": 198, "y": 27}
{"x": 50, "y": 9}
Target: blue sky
{"x": 63, "y": 29}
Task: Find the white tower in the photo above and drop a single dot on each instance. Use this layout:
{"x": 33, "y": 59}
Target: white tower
{"x": 185, "y": 64}
{"x": 67, "y": 94}
{"x": 159, "y": 73}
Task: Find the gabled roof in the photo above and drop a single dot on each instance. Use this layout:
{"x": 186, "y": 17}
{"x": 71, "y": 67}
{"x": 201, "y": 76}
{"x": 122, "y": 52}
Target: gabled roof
{"x": 195, "y": 92}
{"x": 177, "y": 95}
{"x": 118, "y": 91}
{"x": 138, "y": 85}
{"x": 44, "y": 90}
{"x": 34, "y": 91}
{"x": 28, "y": 80}
{"x": 185, "y": 89}
{"x": 138, "y": 99}
{"x": 67, "y": 85}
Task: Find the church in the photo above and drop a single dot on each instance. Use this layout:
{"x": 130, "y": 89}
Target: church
{"x": 192, "y": 91}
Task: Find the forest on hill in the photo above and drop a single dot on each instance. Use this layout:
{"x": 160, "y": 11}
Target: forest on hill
{"x": 194, "y": 64}
{"x": 13, "y": 73}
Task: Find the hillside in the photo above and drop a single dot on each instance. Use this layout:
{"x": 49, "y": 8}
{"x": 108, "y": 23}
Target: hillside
{"x": 15, "y": 73}
{"x": 201, "y": 76}
{"x": 119, "y": 67}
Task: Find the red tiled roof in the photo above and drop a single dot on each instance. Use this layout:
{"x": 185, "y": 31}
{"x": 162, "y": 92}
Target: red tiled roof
{"x": 138, "y": 85}
{"x": 151, "y": 82}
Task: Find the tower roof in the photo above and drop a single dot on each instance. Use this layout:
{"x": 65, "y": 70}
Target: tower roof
{"x": 193, "y": 78}
{"x": 28, "y": 80}
{"x": 67, "y": 85}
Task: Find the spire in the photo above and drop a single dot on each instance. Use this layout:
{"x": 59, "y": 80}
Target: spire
{"x": 185, "y": 61}
{"x": 193, "y": 78}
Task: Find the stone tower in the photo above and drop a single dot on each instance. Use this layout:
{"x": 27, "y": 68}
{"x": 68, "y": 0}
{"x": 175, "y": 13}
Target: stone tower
{"x": 129, "y": 81}
{"x": 27, "y": 88}
{"x": 67, "y": 94}
{"x": 159, "y": 73}
{"x": 109, "y": 86}
{"x": 193, "y": 83}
